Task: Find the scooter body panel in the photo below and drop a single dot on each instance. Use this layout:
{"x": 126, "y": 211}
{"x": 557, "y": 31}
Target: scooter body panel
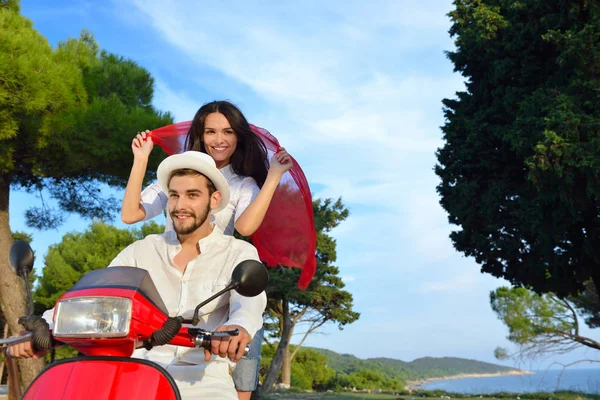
{"x": 103, "y": 378}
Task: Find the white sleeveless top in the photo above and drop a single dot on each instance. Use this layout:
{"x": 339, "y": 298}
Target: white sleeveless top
{"x": 243, "y": 190}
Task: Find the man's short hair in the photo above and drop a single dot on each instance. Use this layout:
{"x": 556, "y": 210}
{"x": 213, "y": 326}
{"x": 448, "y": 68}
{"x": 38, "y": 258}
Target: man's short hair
{"x": 192, "y": 172}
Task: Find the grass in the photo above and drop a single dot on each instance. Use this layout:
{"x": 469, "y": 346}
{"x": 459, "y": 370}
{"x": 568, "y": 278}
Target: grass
{"x": 369, "y": 396}
{"x": 330, "y": 396}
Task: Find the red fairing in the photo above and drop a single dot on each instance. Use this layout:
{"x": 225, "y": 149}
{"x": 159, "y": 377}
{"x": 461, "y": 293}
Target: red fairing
{"x": 81, "y": 379}
{"x": 146, "y": 318}
{"x": 287, "y": 234}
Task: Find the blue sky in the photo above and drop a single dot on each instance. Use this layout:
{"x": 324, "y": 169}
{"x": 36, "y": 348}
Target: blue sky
{"x": 353, "y": 90}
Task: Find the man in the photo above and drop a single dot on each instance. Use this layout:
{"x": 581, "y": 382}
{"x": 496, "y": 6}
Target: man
{"x": 188, "y": 265}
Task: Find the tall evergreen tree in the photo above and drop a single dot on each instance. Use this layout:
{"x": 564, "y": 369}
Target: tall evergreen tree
{"x": 520, "y": 167}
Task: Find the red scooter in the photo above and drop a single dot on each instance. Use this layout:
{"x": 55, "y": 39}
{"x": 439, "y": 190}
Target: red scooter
{"x": 106, "y": 316}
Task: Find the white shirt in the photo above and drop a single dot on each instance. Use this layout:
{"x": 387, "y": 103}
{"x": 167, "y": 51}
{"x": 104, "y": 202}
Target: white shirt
{"x": 243, "y": 190}
{"x": 204, "y": 276}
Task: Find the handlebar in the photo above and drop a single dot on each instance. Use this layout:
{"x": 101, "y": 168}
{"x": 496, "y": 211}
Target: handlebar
{"x": 16, "y": 340}
{"x": 174, "y": 333}
{"x": 38, "y": 333}
{"x": 203, "y": 339}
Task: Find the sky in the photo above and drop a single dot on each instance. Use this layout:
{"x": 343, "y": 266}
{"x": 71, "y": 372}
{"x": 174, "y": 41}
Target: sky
{"x": 353, "y": 90}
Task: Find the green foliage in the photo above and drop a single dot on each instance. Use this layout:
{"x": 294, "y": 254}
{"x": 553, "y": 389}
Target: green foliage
{"x": 67, "y": 116}
{"x": 529, "y": 315}
{"x": 521, "y": 164}
{"x": 367, "y": 379}
{"x": 13, "y": 5}
{"x": 538, "y": 324}
{"x": 34, "y": 83}
{"x": 79, "y": 253}
{"x": 501, "y": 353}
{"x": 22, "y": 236}
{"x": 309, "y": 367}
{"x": 310, "y": 370}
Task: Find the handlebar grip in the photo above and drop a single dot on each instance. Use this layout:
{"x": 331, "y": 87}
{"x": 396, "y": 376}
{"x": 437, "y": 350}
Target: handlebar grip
{"x": 205, "y": 341}
{"x": 40, "y": 332}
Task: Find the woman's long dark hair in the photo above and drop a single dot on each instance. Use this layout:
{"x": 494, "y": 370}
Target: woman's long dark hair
{"x": 250, "y": 155}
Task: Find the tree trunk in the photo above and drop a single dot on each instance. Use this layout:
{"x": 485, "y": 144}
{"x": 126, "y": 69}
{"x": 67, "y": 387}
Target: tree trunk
{"x": 286, "y": 368}
{"x": 13, "y": 298}
{"x": 284, "y": 341}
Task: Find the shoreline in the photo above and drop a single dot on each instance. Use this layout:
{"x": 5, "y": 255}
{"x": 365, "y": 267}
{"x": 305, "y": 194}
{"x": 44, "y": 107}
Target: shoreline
{"x": 412, "y": 385}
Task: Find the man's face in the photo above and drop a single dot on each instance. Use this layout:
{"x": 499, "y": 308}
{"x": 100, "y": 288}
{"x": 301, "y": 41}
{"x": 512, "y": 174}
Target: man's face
{"x": 189, "y": 202}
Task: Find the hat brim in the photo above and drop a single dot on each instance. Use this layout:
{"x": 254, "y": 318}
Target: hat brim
{"x": 197, "y": 163}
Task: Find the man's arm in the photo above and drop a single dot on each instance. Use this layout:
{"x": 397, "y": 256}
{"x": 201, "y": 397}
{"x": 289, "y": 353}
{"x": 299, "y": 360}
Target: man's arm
{"x": 247, "y": 311}
{"x": 245, "y": 314}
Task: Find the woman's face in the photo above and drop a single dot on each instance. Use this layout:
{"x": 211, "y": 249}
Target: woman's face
{"x": 220, "y": 141}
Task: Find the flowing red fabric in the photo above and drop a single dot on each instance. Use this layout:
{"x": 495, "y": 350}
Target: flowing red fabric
{"x": 287, "y": 234}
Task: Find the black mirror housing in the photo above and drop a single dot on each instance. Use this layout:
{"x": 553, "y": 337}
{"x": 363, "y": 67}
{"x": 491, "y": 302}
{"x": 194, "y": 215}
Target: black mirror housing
{"x": 250, "y": 278}
{"x": 21, "y": 258}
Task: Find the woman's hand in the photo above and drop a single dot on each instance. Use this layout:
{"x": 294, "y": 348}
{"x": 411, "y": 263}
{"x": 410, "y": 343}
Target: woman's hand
{"x": 281, "y": 162}
{"x": 142, "y": 145}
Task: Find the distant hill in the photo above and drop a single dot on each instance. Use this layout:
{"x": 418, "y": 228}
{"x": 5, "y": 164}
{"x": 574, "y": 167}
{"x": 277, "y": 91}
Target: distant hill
{"x": 450, "y": 365}
{"x": 422, "y": 368}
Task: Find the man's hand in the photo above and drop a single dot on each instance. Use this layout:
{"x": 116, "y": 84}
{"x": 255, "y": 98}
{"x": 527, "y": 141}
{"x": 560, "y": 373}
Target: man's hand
{"x": 232, "y": 347}
{"x": 25, "y": 349}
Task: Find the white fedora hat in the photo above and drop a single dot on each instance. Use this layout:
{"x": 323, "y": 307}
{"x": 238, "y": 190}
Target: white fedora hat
{"x": 197, "y": 161}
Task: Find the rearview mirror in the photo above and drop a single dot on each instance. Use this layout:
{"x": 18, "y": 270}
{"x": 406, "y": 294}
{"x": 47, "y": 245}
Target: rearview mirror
{"x": 21, "y": 258}
{"x": 250, "y": 278}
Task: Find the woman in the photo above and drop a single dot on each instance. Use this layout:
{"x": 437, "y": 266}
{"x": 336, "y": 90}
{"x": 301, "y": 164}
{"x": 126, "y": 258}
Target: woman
{"x": 219, "y": 129}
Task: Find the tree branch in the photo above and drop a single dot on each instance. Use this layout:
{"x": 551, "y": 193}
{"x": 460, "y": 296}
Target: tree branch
{"x": 299, "y": 315}
{"x": 315, "y": 325}
{"x": 566, "y": 304}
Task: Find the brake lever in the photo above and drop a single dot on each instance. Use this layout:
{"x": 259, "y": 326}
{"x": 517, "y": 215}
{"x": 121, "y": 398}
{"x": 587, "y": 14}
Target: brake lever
{"x": 234, "y": 332}
{"x": 198, "y": 331}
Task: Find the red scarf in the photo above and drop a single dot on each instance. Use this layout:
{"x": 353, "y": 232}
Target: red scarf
{"x": 287, "y": 234}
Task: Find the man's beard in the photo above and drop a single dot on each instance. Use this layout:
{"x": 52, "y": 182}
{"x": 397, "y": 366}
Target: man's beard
{"x": 195, "y": 223}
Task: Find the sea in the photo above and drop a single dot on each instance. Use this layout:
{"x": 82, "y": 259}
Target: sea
{"x": 580, "y": 380}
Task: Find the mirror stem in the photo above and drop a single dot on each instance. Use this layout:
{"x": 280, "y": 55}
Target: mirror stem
{"x": 29, "y": 298}
{"x": 196, "y": 318}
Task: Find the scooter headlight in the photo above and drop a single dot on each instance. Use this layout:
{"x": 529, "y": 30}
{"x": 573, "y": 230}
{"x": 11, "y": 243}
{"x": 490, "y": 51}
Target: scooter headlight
{"x": 93, "y": 317}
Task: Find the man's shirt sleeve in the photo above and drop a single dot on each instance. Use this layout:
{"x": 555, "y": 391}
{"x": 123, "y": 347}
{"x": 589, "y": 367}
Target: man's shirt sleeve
{"x": 247, "y": 311}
